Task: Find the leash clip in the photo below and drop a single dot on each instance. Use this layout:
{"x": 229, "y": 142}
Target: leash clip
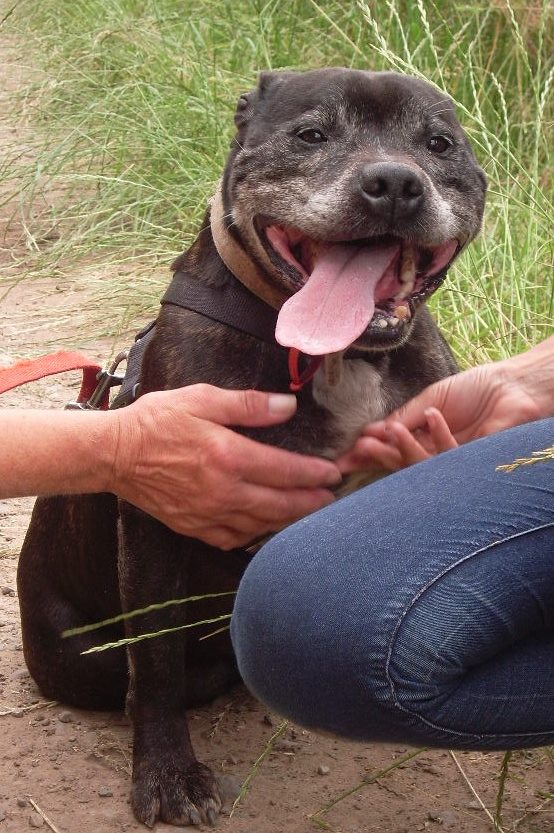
{"x": 106, "y": 379}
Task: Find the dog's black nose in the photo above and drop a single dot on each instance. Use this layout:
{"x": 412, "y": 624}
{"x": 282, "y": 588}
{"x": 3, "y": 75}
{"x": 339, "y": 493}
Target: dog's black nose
{"x": 392, "y": 190}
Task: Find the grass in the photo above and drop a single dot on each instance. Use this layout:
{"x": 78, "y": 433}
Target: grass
{"x": 136, "y": 103}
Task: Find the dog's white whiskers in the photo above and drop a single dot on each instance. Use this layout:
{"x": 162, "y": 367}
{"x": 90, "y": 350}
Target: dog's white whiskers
{"x": 438, "y": 112}
{"x": 436, "y": 104}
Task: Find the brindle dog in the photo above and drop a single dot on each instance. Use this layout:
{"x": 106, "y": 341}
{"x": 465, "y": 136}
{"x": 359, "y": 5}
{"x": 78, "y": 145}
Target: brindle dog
{"x": 348, "y": 194}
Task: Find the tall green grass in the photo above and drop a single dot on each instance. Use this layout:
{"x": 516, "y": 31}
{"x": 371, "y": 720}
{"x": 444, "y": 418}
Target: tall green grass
{"x": 136, "y": 104}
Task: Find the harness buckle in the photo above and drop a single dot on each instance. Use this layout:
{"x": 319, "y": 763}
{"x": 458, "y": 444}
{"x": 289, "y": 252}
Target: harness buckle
{"x": 107, "y": 378}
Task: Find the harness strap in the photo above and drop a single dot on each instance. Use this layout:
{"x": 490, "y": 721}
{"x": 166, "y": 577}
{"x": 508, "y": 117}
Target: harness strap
{"x": 29, "y": 370}
{"x": 130, "y": 386}
{"x": 230, "y": 303}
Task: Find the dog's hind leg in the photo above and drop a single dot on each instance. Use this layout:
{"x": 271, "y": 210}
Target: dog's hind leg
{"x": 67, "y": 577}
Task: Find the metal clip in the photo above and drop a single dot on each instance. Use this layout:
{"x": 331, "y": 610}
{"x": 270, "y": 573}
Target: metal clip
{"x": 106, "y": 379}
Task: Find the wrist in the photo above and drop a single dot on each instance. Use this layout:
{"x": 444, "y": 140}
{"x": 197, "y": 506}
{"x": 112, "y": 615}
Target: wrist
{"x": 533, "y": 373}
{"x": 107, "y": 444}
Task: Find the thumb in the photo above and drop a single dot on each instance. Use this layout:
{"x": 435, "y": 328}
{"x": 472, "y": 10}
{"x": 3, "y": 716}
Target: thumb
{"x": 412, "y": 413}
{"x": 239, "y": 407}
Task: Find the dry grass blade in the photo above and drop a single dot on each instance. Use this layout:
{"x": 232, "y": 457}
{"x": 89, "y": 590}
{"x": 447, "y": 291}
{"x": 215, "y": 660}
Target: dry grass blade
{"x": 121, "y": 617}
{"x": 543, "y": 456}
{"x": 121, "y": 643}
{"x": 370, "y": 779}
{"x": 532, "y": 812}
{"x": 257, "y": 764}
{"x": 43, "y": 815}
{"x": 504, "y": 769}
{"x": 474, "y": 792}
{"x": 42, "y": 704}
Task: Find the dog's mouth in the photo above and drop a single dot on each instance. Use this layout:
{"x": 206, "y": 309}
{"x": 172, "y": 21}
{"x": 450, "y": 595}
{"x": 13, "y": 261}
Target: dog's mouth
{"x": 343, "y": 289}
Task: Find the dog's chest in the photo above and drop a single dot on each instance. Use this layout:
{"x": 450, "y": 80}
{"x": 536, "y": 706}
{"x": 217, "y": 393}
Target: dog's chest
{"x": 356, "y": 399}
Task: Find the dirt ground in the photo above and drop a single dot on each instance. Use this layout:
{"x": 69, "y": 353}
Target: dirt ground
{"x": 66, "y": 770}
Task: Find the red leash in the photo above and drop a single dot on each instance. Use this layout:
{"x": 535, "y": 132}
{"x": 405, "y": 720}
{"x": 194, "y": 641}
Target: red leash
{"x": 299, "y": 378}
{"x": 29, "y": 370}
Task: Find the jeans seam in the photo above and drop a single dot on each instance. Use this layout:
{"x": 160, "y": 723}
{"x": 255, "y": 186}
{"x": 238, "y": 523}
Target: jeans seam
{"x": 407, "y": 609}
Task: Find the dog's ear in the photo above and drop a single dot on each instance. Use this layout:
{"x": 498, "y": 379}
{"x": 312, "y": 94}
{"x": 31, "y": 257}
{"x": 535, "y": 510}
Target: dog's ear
{"x": 245, "y": 108}
{"x": 247, "y": 102}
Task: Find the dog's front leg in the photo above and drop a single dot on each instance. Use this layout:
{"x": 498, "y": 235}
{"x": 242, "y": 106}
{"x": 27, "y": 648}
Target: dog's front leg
{"x": 168, "y": 782}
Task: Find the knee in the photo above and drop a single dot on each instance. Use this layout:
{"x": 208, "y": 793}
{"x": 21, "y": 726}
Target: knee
{"x": 310, "y": 646}
{"x": 334, "y": 656}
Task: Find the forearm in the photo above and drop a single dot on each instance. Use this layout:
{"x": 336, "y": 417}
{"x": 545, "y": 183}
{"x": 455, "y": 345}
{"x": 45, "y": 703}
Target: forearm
{"x": 533, "y": 371}
{"x": 55, "y": 452}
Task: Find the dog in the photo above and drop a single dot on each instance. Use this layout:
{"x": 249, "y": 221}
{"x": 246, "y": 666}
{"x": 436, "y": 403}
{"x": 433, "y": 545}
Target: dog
{"x": 346, "y": 196}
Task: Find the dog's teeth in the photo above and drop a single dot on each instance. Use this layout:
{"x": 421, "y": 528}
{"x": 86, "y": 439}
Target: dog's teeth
{"x": 382, "y": 322}
{"x": 401, "y": 311}
{"x": 393, "y": 321}
{"x": 407, "y": 270}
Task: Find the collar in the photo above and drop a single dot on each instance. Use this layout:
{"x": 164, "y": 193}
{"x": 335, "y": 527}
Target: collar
{"x": 249, "y": 304}
{"x": 237, "y": 260}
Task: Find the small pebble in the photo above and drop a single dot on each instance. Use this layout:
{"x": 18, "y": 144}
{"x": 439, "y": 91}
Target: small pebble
{"x": 229, "y": 787}
{"x": 450, "y": 819}
{"x": 323, "y": 770}
{"x": 286, "y": 746}
{"x": 35, "y": 820}
{"x": 105, "y": 792}
{"x": 66, "y": 717}
{"x": 22, "y": 802}
{"x": 7, "y": 591}
{"x": 3, "y": 815}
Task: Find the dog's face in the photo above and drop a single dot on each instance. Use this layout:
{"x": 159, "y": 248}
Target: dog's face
{"x": 353, "y": 191}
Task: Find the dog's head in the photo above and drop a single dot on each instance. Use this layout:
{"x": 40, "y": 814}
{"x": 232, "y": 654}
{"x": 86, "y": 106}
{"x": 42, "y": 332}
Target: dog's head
{"x": 353, "y": 191}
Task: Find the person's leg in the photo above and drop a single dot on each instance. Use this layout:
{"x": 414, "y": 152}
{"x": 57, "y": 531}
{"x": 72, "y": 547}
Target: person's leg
{"x": 419, "y": 610}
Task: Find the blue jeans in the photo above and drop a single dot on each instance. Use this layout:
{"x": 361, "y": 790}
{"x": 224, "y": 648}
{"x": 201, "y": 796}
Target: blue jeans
{"x": 418, "y": 610}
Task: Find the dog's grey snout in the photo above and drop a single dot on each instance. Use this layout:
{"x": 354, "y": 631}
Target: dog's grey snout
{"x": 393, "y": 190}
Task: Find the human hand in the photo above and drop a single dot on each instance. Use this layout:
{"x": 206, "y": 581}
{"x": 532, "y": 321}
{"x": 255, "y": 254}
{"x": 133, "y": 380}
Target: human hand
{"x": 458, "y": 409}
{"x": 176, "y": 460}
{"x": 388, "y": 445}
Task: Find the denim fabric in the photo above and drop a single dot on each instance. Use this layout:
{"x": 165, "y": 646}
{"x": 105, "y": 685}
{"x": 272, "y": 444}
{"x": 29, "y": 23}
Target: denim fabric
{"x": 419, "y": 610}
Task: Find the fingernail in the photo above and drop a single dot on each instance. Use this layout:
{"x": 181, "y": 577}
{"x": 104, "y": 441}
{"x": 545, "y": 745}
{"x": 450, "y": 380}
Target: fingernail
{"x": 281, "y": 404}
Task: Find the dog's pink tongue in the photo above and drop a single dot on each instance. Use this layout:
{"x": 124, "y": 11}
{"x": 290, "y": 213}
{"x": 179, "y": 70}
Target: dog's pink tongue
{"x": 337, "y": 302}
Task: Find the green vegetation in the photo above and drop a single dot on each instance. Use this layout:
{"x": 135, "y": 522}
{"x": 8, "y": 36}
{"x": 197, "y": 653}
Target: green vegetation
{"x": 136, "y": 102}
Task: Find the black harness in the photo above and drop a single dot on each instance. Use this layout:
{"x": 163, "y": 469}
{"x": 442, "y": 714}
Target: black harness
{"x": 229, "y": 303}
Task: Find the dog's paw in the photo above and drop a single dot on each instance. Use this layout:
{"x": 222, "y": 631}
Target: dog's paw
{"x": 179, "y": 795}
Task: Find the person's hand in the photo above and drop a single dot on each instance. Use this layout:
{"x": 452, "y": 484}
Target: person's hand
{"x": 388, "y": 445}
{"x": 176, "y": 460}
{"x": 458, "y": 409}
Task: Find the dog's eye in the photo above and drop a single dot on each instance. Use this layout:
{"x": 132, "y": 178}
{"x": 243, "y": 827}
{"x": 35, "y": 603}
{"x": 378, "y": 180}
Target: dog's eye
{"x": 311, "y": 136}
{"x": 439, "y": 144}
